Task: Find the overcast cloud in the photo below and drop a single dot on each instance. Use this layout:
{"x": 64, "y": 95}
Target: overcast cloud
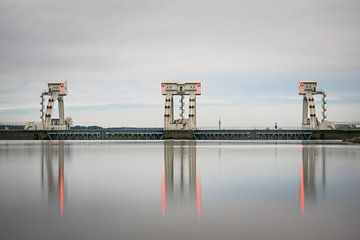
{"x": 249, "y": 55}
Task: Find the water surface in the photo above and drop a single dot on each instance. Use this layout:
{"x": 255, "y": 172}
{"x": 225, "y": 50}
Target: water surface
{"x": 178, "y": 190}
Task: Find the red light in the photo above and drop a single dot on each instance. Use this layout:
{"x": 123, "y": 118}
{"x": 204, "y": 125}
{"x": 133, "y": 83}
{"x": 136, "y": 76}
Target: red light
{"x": 302, "y": 194}
{"x": 163, "y": 193}
{"x": 198, "y": 194}
{"x": 61, "y": 190}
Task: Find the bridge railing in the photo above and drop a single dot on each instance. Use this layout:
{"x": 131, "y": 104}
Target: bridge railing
{"x": 249, "y": 128}
{"x": 150, "y": 130}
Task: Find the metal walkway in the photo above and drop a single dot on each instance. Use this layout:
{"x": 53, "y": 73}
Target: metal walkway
{"x": 105, "y": 135}
{"x": 198, "y": 135}
{"x": 252, "y": 135}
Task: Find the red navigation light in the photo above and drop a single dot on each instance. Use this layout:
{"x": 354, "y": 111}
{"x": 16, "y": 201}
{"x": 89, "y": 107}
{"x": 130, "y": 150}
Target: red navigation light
{"x": 163, "y": 85}
{"x": 198, "y": 88}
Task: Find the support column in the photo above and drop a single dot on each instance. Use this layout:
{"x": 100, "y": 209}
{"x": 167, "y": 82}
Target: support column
{"x": 192, "y": 111}
{"x": 49, "y": 109}
{"x": 313, "y": 120}
{"x": 61, "y": 110}
{"x": 323, "y": 106}
{"x": 168, "y": 113}
{"x": 171, "y": 108}
{"x": 305, "y": 113}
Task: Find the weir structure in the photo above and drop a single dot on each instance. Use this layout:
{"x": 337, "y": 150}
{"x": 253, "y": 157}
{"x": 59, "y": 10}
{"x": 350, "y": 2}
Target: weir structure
{"x": 308, "y": 89}
{"x": 172, "y": 88}
{"x": 56, "y": 92}
{"x": 182, "y": 128}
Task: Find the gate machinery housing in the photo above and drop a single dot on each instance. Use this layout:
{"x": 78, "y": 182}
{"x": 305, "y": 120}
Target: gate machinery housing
{"x": 169, "y": 89}
{"x": 309, "y": 119}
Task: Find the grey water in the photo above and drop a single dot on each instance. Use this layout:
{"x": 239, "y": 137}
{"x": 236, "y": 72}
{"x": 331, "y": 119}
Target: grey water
{"x": 179, "y": 190}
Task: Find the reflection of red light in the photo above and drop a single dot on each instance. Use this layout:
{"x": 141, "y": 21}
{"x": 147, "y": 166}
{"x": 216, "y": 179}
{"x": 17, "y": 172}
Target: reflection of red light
{"x": 302, "y": 195}
{"x": 198, "y": 194}
{"x": 163, "y": 193}
{"x": 61, "y": 190}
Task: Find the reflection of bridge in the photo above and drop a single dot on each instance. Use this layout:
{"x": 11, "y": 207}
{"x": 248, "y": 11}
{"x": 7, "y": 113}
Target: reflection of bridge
{"x": 180, "y": 186}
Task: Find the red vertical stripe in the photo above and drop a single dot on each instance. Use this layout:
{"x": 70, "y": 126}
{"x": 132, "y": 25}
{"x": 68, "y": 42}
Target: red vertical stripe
{"x": 198, "y": 194}
{"x": 61, "y": 190}
{"x": 163, "y": 193}
{"x": 302, "y": 195}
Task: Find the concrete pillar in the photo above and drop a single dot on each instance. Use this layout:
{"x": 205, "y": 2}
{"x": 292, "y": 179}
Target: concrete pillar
{"x": 313, "y": 120}
{"x": 171, "y": 108}
{"x": 305, "y": 113}
{"x": 169, "y": 111}
{"x": 49, "y": 109}
{"x": 192, "y": 111}
{"x": 61, "y": 110}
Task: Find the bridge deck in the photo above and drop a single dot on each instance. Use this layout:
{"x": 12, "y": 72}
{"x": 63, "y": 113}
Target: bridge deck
{"x": 198, "y": 135}
{"x": 252, "y": 134}
{"x": 105, "y": 135}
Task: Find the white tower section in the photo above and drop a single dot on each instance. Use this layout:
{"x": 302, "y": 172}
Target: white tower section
{"x": 169, "y": 89}
{"x": 309, "y": 119}
{"x": 56, "y": 92}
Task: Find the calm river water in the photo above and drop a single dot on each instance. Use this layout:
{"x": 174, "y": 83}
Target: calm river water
{"x": 179, "y": 190}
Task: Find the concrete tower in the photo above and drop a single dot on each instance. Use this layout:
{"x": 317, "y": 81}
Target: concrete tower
{"x": 169, "y": 89}
{"x": 309, "y": 119}
{"x": 56, "y": 92}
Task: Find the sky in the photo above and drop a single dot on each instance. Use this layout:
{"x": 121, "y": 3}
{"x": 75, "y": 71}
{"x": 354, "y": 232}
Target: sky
{"x": 249, "y": 55}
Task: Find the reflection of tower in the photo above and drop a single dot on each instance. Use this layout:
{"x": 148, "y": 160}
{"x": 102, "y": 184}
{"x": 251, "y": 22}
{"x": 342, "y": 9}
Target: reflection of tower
{"x": 180, "y": 187}
{"x": 52, "y": 174}
{"x": 308, "y": 180}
